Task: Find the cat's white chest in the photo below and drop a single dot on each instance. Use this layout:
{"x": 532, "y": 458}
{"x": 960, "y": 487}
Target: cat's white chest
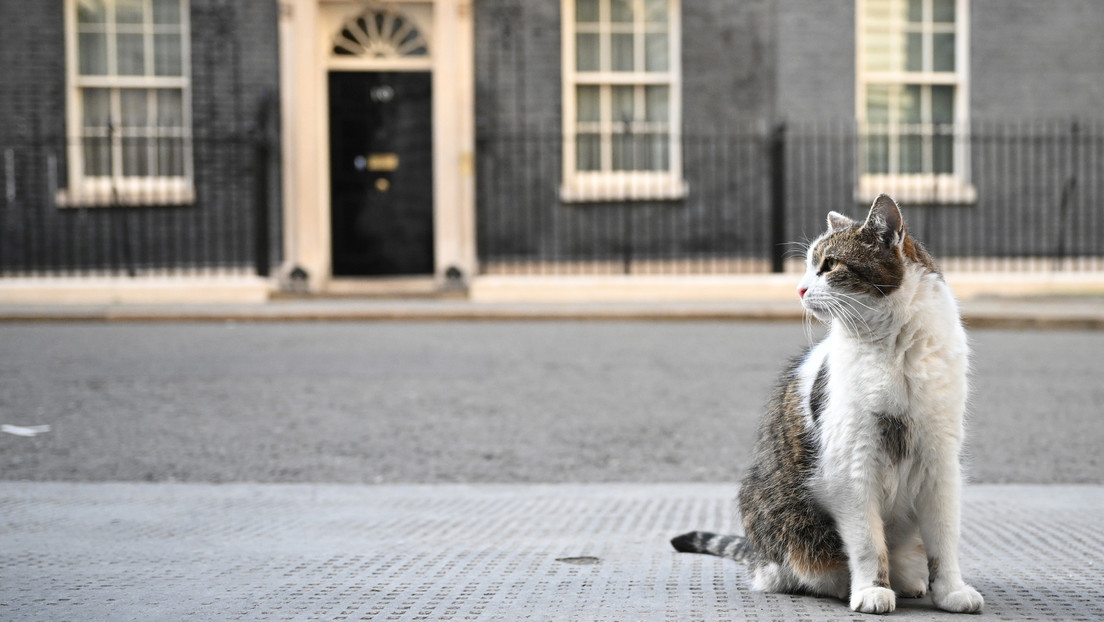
{"x": 890, "y": 402}
{"x": 917, "y": 371}
{"x": 868, "y": 378}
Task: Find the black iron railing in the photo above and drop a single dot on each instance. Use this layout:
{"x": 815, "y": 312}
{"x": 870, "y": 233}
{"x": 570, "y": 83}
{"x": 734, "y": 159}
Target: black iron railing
{"x": 998, "y": 196}
{"x": 995, "y": 196}
{"x": 209, "y": 214}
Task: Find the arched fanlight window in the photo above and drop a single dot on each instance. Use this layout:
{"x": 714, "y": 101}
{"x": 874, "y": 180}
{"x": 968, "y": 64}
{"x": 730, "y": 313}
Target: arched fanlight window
{"x": 380, "y": 32}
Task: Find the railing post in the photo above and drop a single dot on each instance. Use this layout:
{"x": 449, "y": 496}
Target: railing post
{"x": 262, "y": 150}
{"x": 778, "y": 198}
{"x": 1069, "y": 188}
{"x": 260, "y": 204}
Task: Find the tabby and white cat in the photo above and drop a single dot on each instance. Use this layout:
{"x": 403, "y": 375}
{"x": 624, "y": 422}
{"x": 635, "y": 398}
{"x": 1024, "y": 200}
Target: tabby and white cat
{"x": 854, "y": 491}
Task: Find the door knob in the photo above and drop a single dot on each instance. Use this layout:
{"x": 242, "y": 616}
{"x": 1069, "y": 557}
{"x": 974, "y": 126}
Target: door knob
{"x": 382, "y": 184}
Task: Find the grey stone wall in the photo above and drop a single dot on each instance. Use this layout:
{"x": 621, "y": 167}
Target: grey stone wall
{"x": 728, "y": 63}
{"x": 1032, "y": 59}
{"x": 816, "y": 59}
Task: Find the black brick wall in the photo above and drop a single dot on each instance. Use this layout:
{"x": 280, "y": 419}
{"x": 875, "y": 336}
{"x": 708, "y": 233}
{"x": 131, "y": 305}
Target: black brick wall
{"x": 234, "y": 83}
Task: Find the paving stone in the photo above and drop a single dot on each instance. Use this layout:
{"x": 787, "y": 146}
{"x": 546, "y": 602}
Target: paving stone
{"x": 477, "y": 552}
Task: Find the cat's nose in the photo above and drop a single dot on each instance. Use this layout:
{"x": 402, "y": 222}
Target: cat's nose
{"x": 801, "y": 291}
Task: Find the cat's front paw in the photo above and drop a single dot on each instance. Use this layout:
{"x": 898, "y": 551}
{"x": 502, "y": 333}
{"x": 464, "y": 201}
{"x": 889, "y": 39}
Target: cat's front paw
{"x": 873, "y": 600}
{"x": 962, "y": 599}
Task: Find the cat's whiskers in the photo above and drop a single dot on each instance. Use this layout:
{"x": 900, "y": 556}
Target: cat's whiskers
{"x": 847, "y": 313}
{"x": 799, "y": 250}
{"x": 837, "y": 312}
{"x": 807, "y": 323}
{"x": 855, "y": 300}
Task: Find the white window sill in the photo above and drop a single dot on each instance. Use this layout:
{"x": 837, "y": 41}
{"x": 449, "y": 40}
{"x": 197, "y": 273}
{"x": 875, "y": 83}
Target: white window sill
{"x": 620, "y": 188}
{"x": 916, "y": 189}
{"x": 148, "y": 193}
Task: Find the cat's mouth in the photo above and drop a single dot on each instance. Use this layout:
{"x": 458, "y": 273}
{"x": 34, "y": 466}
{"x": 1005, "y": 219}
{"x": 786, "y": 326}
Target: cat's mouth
{"x": 819, "y": 310}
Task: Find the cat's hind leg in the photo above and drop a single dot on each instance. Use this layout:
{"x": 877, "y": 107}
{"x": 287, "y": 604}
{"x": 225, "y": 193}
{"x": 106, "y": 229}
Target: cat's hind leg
{"x": 908, "y": 568}
{"x": 782, "y": 579}
{"x": 773, "y": 577}
{"x": 834, "y": 583}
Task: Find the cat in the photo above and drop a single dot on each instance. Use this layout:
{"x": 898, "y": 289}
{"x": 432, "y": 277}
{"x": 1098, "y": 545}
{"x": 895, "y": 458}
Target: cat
{"x": 855, "y": 486}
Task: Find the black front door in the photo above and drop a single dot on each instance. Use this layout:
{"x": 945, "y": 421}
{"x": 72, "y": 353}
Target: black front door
{"x": 381, "y": 176}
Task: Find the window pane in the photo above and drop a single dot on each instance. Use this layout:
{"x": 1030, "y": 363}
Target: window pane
{"x": 879, "y": 49}
{"x": 170, "y": 108}
{"x": 877, "y": 103}
{"x": 651, "y": 152}
{"x": 96, "y": 108}
{"x": 943, "y": 154}
{"x": 911, "y": 150}
{"x": 166, "y": 11}
{"x": 942, "y": 104}
{"x": 166, "y": 55}
{"x": 943, "y": 48}
{"x": 131, "y": 55}
{"x": 915, "y": 11}
{"x": 910, "y": 104}
{"x": 588, "y": 101}
{"x": 97, "y": 157}
{"x": 623, "y": 152}
{"x": 136, "y": 157}
{"x": 943, "y": 11}
{"x": 588, "y": 156}
{"x": 621, "y": 47}
{"x": 91, "y": 12}
{"x": 92, "y": 48}
{"x": 586, "y": 52}
{"x": 656, "y": 102}
{"x": 661, "y": 152}
{"x": 623, "y": 109}
{"x": 914, "y": 52}
{"x": 655, "y": 11}
{"x": 655, "y": 49}
{"x": 640, "y": 152}
{"x": 586, "y": 11}
{"x": 877, "y": 153}
{"x": 135, "y": 108}
{"x": 170, "y": 157}
{"x": 621, "y": 10}
{"x": 128, "y": 11}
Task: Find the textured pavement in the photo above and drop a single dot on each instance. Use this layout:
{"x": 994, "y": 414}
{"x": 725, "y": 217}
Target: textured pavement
{"x": 477, "y": 552}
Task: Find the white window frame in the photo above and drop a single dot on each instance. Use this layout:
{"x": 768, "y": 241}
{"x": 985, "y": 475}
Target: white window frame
{"x": 608, "y": 185}
{"x": 116, "y": 189}
{"x": 946, "y": 188}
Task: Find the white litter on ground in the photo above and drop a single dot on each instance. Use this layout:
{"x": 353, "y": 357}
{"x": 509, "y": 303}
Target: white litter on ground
{"x": 19, "y": 430}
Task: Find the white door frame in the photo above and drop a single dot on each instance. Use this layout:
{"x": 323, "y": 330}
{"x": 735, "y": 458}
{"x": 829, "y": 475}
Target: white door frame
{"x": 306, "y": 33}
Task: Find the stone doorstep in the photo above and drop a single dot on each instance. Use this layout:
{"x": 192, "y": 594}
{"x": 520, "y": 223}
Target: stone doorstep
{"x": 759, "y": 287}
{"x": 160, "y": 290}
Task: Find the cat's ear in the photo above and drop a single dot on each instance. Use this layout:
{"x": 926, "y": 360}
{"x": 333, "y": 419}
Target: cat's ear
{"x": 885, "y": 221}
{"x": 837, "y": 220}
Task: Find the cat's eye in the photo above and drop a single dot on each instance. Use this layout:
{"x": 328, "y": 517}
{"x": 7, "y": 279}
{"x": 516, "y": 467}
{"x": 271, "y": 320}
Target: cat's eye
{"x": 827, "y": 265}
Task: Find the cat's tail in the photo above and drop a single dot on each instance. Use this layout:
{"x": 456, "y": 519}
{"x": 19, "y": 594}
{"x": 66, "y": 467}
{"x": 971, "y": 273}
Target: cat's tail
{"x": 732, "y": 547}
